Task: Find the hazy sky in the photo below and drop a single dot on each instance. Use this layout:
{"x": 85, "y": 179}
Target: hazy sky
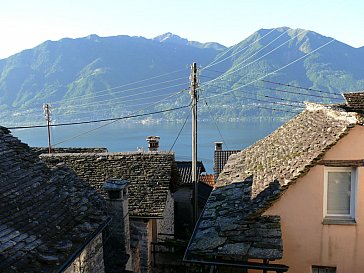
{"x": 27, "y": 23}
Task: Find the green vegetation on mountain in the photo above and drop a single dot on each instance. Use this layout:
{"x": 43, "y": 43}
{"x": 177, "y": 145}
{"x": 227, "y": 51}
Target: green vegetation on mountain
{"x": 90, "y": 78}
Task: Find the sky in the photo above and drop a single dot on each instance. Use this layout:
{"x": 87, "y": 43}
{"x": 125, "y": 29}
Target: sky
{"x": 25, "y": 24}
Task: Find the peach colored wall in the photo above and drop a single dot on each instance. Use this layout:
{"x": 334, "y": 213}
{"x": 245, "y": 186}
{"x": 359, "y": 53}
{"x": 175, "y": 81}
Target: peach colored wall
{"x": 306, "y": 241}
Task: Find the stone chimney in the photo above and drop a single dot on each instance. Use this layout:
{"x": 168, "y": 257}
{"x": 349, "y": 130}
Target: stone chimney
{"x": 218, "y": 146}
{"x": 153, "y": 143}
{"x": 117, "y": 240}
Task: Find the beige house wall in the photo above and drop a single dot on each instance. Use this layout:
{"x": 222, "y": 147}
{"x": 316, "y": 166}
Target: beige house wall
{"x": 306, "y": 240}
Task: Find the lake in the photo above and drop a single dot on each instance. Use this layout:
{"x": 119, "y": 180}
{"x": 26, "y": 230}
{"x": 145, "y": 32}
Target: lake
{"x": 128, "y": 136}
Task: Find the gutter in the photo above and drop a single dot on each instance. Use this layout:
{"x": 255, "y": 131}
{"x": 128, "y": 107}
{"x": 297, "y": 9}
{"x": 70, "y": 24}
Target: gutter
{"x": 73, "y": 257}
{"x": 279, "y": 268}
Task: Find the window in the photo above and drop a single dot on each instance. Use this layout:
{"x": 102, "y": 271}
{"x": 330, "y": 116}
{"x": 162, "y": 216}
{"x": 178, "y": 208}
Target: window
{"x": 340, "y": 192}
{"x": 323, "y": 269}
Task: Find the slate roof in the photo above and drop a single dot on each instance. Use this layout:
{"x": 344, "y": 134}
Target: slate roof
{"x": 45, "y": 214}
{"x": 151, "y": 175}
{"x": 355, "y": 101}
{"x": 185, "y": 170}
{"x": 231, "y": 224}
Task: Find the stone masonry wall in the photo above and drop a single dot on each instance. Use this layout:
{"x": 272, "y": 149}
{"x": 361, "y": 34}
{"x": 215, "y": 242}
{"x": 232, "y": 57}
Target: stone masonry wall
{"x": 90, "y": 260}
{"x": 166, "y": 225}
{"x": 140, "y": 245}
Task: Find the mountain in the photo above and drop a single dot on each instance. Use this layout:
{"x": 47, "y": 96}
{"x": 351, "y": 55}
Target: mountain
{"x": 90, "y": 74}
{"x": 100, "y": 77}
{"x": 175, "y": 39}
{"x": 295, "y": 57}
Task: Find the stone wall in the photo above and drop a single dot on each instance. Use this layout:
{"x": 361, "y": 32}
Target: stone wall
{"x": 166, "y": 225}
{"x": 90, "y": 260}
{"x": 140, "y": 245}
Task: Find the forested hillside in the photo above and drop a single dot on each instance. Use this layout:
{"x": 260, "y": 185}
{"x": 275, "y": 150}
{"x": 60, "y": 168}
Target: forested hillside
{"x": 95, "y": 77}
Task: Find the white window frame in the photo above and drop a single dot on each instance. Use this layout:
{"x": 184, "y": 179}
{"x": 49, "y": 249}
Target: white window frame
{"x": 353, "y": 186}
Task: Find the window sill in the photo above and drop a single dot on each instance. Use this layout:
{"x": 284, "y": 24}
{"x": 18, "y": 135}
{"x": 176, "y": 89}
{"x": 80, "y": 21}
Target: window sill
{"x": 338, "y": 221}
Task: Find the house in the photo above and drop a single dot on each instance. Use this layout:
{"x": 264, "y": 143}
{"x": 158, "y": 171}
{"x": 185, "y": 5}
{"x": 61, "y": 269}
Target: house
{"x": 50, "y": 220}
{"x": 152, "y": 177}
{"x": 184, "y": 198}
{"x": 293, "y": 199}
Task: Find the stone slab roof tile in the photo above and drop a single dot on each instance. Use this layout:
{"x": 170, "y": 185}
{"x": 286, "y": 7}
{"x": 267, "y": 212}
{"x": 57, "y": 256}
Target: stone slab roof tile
{"x": 231, "y": 223}
{"x": 151, "y": 175}
{"x": 355, "y": 101}
{"x": 185, "y": 170}
{"x": 40, "y": 209}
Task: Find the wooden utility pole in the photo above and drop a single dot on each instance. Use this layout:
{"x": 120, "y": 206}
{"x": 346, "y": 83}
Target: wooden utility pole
{"x": 194, "y": 85}
{"x": 47, "y": 113}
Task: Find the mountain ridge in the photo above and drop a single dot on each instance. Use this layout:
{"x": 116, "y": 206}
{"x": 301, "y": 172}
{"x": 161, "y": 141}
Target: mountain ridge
{"x": 73, "y": 72}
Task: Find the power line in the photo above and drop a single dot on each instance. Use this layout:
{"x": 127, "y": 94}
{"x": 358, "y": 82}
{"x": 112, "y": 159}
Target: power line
{"x": 118, "y": 98}
{"x": 180, "y": 131}
{"x": 89, "y": 131}
{"x": 298, "y": 93}
{"x": 300, "y": 87}
{"x": 123, "y": 97}
{"x": 280, "y": 110}
{"x": 215, "y": 61}
{"x": 72, "y": 111}
{"x": 233, "y": 69}
{"x": 120, "y": 86}
{"x": 217, "y": 127}
{"x": 273, "y": 102}
{"x": 279, "y": 69}
{"x": 99, "y": 120}
{"x": 277, "y": 98}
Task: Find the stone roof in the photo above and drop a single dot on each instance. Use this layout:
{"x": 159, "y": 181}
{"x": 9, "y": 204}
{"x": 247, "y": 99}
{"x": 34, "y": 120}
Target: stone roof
{"x": 355, "y": 101}
{"x": 151, "y": 175}
{"x": 231, "y": 224}
{"x": 46, "y": 215}
{"x": 185, "y": 170}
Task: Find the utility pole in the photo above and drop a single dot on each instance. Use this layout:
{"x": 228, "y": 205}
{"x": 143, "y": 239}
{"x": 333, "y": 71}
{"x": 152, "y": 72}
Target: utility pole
{"x": 193, "y": 92}
{"x": 47, "y": 114}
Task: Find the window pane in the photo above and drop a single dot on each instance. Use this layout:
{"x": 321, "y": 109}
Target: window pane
{"x": 338, "y": 193}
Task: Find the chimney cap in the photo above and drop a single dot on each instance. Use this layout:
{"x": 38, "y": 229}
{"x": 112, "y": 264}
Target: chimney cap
{"x": 114, "y": 184}
{"x": 153, "y": 143}
{"x": 218, "y": 145}
{"x": 153, "y": 138}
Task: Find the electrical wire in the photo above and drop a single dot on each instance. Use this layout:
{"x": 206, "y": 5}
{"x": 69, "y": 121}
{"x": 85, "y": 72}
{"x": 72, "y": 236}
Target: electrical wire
{"x": 279, "y": 69}
{"x": 180, "y": 131}
{"x": 217, "y": 127}
{"x": 127, "y": 84}
{"x": 89, "y": 131}
{"x": 234, "y": 69}
{"x": 118, "y": 98}
{"x": 72, "y": 112}
{"x": 99, "y": 120}
{"x": 299, "y": 87}
{"x": 280, "y": 110}
{"x": 298, "y": 93}
{"x": 213, "y": 63}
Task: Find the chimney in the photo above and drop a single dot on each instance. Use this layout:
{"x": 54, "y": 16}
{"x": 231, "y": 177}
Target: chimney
{"x": 153, "y": 143}
{"x": 218, "y": 146}
{"x": 117, "y": 243}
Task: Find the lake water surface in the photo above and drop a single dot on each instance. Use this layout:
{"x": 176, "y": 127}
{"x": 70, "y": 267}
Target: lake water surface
{"x": 123, "y": 137}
